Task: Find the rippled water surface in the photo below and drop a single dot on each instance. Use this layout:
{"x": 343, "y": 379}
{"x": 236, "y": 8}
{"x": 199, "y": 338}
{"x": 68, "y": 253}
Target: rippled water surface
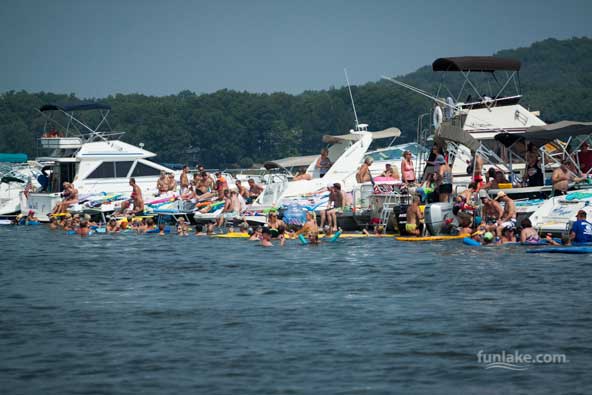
{"x": 149, "y": 314}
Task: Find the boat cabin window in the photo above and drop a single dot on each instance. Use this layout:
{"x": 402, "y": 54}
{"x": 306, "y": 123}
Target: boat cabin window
{"x": 111, "y": 170}
{"x": 142, "y": 169}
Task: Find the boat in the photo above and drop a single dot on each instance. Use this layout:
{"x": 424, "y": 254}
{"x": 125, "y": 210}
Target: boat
{"x": 90, "y": 156}
{"x": 17, "y": 174}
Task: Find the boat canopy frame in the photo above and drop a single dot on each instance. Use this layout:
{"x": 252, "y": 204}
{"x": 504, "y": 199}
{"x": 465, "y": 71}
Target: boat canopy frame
{"x": 75, "y": 126}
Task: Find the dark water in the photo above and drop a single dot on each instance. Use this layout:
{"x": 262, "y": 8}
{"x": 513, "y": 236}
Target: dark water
{"x": 148, "y": 314}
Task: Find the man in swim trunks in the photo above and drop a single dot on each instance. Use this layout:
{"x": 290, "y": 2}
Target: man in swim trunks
{"x": 135, "y": 198}
{"x": 254, "y": 189}
{"x": 162, "y": 183}
{"x": 363, "y": 174}
{"x": 491, "y": 210}
{"x": 242, "y": 190}
{"x": 184, "y": 179}
{"x": 508, "y": 217}
{"x": 171, "y": 182}
{"x": 561, "y": 178}
{"x": 414, "y": 217}
{"x": 336, "y": 204}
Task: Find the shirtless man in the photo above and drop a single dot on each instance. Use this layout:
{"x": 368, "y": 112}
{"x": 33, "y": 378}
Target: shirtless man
{"x": 478, "y": 171}
{"x": 184, "y": 179}
{"x": 363, "y": 174}
{"x": 336, "y": 203}
{"x": 135, "y": 198}
{"x": 414, "y": 216}
{"x": 221, "y": 185}
{"x": 84, "y": 229}
{"x": 508, "y": 217}
{"x": 162, "y": 183}
{"x": 310, "y": 226}
{"x": 242, "y": 190}
{"x": 492, "y": 210}
{"x": 561, "y": 178}
{"x": 266, "y": 237}
{"x": 171, "y": 182}
{"x": 254, "y": 189}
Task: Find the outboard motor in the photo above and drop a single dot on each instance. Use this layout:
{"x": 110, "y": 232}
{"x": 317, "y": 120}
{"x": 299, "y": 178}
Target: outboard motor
{"x": 435, "y": 216}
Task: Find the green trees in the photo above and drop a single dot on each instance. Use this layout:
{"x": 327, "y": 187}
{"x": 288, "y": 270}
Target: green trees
{"x": 235, "y": 129}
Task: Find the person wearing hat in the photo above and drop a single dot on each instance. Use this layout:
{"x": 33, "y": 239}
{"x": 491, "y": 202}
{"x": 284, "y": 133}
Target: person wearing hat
{"x": 491, "y": 210}
{"x": 407, "y": 169}
{"x": 444, "y": 181}
{"x": 508, "y": 217}
{"x": 581, "y": 230}
{"x": 585, "y": 158}
{"x": 31, "y": 217}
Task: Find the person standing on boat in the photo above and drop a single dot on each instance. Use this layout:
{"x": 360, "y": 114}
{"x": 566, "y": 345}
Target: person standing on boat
{"x": 162, "y": 183}
{"x": 407, "y": 170}
{"x": 444, "y": 179}
{"x": 323, "y": 163}
{"x": 561, "y": 178}
{"x": 363, "y": 174}
{"x": 171, "y": 182}
{"x": 184, "y": 179}
{"x": 581, "y": 230}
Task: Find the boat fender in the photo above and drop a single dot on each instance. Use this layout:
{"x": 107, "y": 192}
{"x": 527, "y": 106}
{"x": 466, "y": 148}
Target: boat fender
{"x": 437, "y": 117}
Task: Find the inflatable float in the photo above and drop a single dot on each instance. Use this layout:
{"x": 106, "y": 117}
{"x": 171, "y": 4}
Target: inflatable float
{"x": 430, "y": 238}
{"x": 561, "y": 250}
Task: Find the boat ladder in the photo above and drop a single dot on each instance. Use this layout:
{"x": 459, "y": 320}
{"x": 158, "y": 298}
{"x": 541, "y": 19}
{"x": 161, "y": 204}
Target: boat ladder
{"x": 390, "y": 202}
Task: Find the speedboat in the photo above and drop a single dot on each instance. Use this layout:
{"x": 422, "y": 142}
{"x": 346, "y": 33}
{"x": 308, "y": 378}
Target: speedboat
{"x": 16, "y": 175}
{"x": 92, "y": 158}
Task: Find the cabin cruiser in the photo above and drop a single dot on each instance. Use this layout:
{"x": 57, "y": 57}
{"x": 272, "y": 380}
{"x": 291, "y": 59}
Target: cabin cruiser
{"x": 92, "y": 158}
{"x": 16, "y": 175}
{"x": 494, "y": 127}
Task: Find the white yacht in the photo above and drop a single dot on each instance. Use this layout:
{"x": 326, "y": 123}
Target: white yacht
{"x": 92, "y": 158}
{"x": 14, "y": 179}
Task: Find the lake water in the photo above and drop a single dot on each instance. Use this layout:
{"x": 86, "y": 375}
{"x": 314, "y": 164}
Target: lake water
{"x": 147, "y": 314}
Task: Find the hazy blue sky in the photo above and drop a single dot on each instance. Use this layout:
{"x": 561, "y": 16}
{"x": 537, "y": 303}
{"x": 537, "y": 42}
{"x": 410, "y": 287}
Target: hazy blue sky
{"x": 96, "y": 48}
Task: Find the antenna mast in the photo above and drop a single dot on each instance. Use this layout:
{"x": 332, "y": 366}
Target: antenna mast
{"x": 351, "y": 97}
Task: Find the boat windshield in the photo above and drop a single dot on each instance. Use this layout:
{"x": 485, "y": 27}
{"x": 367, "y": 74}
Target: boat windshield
{"x": 396, "y": 153}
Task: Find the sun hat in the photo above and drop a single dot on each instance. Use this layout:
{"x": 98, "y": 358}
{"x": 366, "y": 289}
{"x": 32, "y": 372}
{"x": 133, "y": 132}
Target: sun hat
{"x": 500, "y": 195}
{"x": 483, "y": 194}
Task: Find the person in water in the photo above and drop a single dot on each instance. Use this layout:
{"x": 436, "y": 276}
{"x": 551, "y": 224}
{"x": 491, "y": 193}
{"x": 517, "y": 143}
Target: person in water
{"x": 407, "y": 169}
{"x": 83, "y": 230}
{"x": 274, "y": 224}
{"x": 581, "y": 231}
{"x": 323, "y": 162}
{"x": 491, "y": 210}
{"x": 363, "y": 174}
{"x": 182, "y": 227}
{"x": 310, "y": 226}
{"x": 508, "y": 235}
{"x": 528, "y": 234}
{"x": 508, "y": 217}
{"x": 266, "y": 237}
{"x": 112, "y": 226}
{"x": 414, "y": 217}
{"x": 53, "y": 223}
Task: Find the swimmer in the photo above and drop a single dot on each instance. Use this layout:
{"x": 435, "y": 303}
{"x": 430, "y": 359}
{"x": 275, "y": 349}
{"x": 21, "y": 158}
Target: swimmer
{"x": 488, "y": 238}
{"x": 112, "y": 226}
{"x": 83, "y": 230}
{"x": 53, "y": 223}
{"x": 266, "y": 237}
{"x": 257, "y": 234}
{"x": 508, "y": 235}
{"x": 199, "y": 230}
{"x": 310, "y": 226}
{"x": 161, "y": 228}
{"x": 182, "y": 228}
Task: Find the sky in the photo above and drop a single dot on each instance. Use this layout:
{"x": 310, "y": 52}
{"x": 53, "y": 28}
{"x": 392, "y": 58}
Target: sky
{"x": 97, "y": 48}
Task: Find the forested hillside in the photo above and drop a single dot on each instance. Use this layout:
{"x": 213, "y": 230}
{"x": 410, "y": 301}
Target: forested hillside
{"x": 229, "y": 128}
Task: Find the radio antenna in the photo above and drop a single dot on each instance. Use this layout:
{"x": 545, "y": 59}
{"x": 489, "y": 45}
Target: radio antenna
{"x": 351, "y": 97}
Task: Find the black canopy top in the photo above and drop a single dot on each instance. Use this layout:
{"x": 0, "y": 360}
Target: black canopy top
{"x": 476, "y": 63}
{"x": 541, "y": 135}
{"x": 75, "y": 107}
